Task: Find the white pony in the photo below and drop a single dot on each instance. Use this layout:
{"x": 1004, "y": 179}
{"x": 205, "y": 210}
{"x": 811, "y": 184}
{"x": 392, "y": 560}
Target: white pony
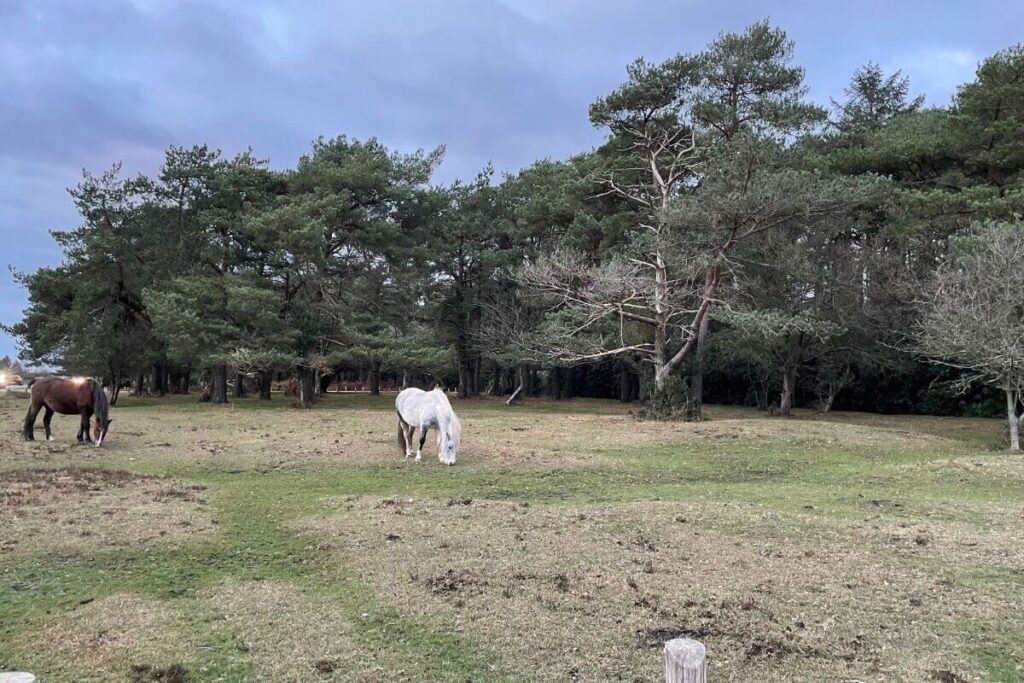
{"x": 418, "y": 409}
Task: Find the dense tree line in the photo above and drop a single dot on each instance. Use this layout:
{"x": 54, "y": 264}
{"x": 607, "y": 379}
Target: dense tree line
{"x": 730, "y": 241}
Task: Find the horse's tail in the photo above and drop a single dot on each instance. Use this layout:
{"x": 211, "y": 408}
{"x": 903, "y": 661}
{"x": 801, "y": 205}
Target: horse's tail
{"x": 30, "y": 383}
{"x": 100, "y": 405}
{"x": 29, "y": 427}
{"x": 30, "y": 418}
{"x": 456, "y": 430}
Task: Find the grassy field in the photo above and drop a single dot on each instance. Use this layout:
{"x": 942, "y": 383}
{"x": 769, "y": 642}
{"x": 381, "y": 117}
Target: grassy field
{"x": 256, "y": 542}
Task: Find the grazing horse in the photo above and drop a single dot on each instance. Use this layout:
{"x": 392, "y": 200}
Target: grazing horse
{"x": 83, "y": 397}
{"x": 418, "y": 409}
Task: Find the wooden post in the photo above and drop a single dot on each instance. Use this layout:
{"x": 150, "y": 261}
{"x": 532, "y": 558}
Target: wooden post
{"x": 685, "y": 661}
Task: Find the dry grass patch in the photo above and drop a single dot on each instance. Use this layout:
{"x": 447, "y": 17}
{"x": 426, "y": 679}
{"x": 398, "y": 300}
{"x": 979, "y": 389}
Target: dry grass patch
{"x": 589, "y": 592}
{"x": 290, "y": 636}
{"x": 121, "y": 637}
{"x": 344, "y": 431}
{"x": 997, "y": 466}
{"x": 810, "y": 431}
{"x": 72, "y": 509}
{"x": 284, "y": 439}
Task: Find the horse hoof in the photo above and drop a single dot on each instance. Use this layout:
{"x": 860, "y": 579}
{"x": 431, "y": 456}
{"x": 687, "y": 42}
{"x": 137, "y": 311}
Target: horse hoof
{"x": 50, "y": 438}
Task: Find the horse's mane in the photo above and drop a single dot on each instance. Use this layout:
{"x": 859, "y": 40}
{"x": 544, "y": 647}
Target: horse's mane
{"x": 454, "y": 427}
{"x": 99, "y": 402}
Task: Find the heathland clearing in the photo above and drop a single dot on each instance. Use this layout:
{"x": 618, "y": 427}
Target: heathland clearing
{"x": 261, "y": 542}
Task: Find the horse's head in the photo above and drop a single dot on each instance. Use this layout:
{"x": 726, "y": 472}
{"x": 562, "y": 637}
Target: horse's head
{"x": 449, "y": 447}
{"x": 449, "y": 436}
{"x": 99, "y": 430}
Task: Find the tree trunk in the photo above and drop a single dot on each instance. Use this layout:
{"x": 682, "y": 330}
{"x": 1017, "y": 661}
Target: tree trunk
{"x": 1016, "y": 421}
{"x": 307, "y": 384}
{"x": 465, "y": 373}
{"x": 476, "y": 376}
{"x": 158, "y": 379}
{"x": 186, "y": 377}
{"x": 326, "y": 379}
{"x": 140, "y": 384}
{"x": 375, "y": 378}
{"x": 264, "y": 379}
{"x": 788, "y": 388}
{"x": 239, "y": 386}
{"x": 219, "y": 384}
{"x": 697, "y": 393}
{"x": 625, "y": 383}
{"x": 115, "y": 387}
{"x": 830, "y": 397}
{"x": 499, "y": 380}
{"x": 567, "y": 381}
{"x": 555, "y": 380}
{"x": 663, "y": 365}
{"x": 518, "y": 389}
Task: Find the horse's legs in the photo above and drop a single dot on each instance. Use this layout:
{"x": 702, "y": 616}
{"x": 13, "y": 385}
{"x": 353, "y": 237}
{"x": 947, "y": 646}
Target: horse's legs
{"x": 423, "y": 438}
{"x": 408, "y": 432}
{"x": 406, "y": 436}
{"x": 47, "y": 416}
{"x": 28, "y": 433}
{"x": 84, "y": 431}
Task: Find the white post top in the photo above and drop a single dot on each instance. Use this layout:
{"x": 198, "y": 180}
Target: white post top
{"x": 16, "y": 677}
{"x": 686, "y": 650}
{"x": 685, "y": 661}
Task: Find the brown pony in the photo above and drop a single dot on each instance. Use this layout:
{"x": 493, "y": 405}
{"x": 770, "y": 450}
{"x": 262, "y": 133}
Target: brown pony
{"x": 83, "y": 397}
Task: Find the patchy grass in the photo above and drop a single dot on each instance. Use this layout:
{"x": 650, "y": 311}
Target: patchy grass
{"x": 259, "y": 542}
{"x": 290, "y": 635}
{"x": 117, "y": 635}
{"x": 556, "y": 589}
{"x": 84, "y": 510}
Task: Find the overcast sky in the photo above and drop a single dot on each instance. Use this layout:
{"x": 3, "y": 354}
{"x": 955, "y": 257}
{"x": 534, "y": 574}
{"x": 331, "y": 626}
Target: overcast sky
{"x": 86, "y": 84}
